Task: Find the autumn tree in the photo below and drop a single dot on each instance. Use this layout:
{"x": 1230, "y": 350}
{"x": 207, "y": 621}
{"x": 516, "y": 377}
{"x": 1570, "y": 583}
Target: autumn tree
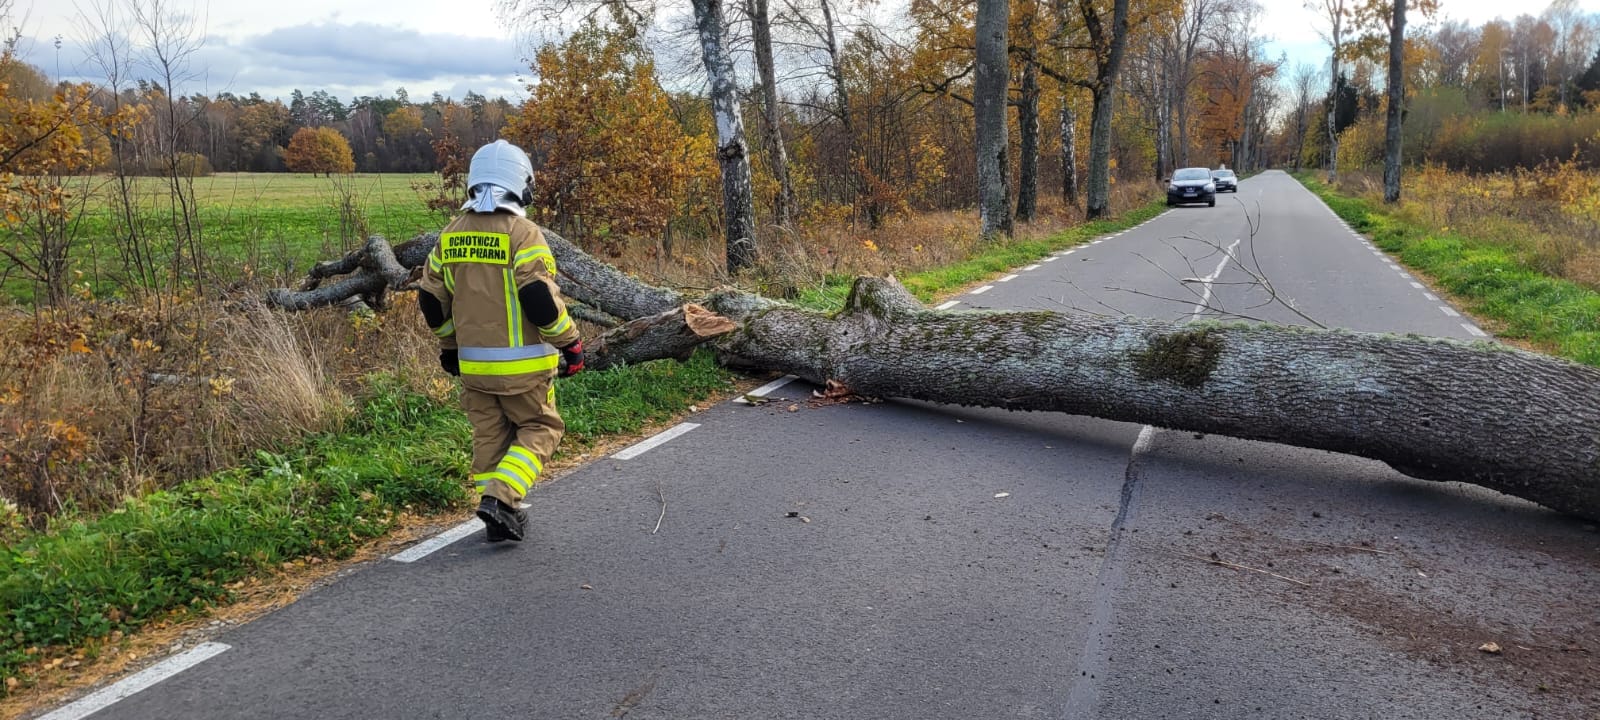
{"x": 319, "y": 150}
{"x": 49, "y": 139}
{"x": 615, "y": 161}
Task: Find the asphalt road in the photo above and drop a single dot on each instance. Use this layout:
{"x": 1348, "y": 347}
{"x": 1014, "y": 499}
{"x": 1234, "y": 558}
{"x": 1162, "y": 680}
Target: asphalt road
{"x": 860, "y": 561}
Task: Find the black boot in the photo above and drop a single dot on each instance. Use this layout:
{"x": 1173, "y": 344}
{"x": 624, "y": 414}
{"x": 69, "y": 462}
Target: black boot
{"x": 502, "y": 521}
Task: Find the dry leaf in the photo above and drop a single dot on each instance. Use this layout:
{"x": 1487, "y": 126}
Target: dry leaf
{"x": 1490, "y": 647}
{"x": 794, "y": 408}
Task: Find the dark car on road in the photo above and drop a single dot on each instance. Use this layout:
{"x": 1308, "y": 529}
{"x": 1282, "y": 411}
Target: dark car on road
{"x": 1191, "y": 185}
{"x": 1225, "y": 180}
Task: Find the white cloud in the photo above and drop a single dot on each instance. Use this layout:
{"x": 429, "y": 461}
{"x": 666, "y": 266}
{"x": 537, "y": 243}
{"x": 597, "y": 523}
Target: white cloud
{"x": 358, "y": 47}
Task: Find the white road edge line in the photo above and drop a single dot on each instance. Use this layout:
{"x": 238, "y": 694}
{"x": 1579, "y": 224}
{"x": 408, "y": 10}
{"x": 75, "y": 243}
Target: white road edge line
{"x": 1474, "y": 330}
{"x": 1030, "y": 267}
{"x": 1054, "y": 258}
{"x": 982, "y": 290}
{"x": 1065, "y": 253}
{"x": 947, "y": 305}
{"x": 1427, "y": 295}
{"x": 1417, "y": 285}
{"x": 438, "y": 542}
{"x": 1449, "y": 311}
{"x": 659, "y": 439}
{"x": 108, "y": 696}
{"x": 1009, "y": 278}
{"x": 1405, "y": 274}
{"x": 773, "y": 386}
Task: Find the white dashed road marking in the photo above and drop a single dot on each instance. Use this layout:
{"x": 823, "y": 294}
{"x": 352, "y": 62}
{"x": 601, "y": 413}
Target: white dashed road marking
{"x": 1052, "y": 258}
{"x": 434, "y": 544}
{"x": 1449, "y": 311}
{"x": 1427, "y": 295}
{"x": 1474, "y": 330}
{"x": 108, "y": 696}
{"x": 1417, "y": 285}
{"x": 661, "y": 438}
{"x": 982, "y": 290}
{"x": 773, "y": 386}
{"x": 1008, "y": 278}
{"x": 947, "y": 305}
{"x": 1030, "y": 267}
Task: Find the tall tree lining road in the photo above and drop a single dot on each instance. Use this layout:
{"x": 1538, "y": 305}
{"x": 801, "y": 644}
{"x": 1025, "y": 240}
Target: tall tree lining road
{"x": 901, "y": 560}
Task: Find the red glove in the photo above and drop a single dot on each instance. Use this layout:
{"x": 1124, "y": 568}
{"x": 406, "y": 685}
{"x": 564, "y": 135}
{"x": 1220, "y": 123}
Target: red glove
{"x": 572, "y": 359}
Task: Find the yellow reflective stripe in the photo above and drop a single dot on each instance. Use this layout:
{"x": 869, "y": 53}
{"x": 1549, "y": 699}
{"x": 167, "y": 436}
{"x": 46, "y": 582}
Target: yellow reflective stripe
{"x": 433, "y": 262}
{"x": 550, "y": 397}
{"x": 526, "y": 458}
{"x": 513, "y": 310}
{"x": 561, "y": 325}
{"x": 450, "y": 281}
{"x": 537, "y": 252}
{"x": 517, "y": 483}
{"x": 510, "y": 367}
{"x": 447, "y": 329}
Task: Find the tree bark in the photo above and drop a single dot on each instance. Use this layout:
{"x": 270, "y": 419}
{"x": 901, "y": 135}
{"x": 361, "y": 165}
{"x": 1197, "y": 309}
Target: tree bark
{"x": 991, "y": 84}
{"x": 1098, "y": 203}
{"x": 1069, "y": 154}
{"x": 733, "y": 155}
{"x": 1521, "y": 423}
{"x": 1397, "y": 96}
{"x": 761, "y": 35}
{"x": 1028, "y": 129}
{"x": 1110, "y": 44}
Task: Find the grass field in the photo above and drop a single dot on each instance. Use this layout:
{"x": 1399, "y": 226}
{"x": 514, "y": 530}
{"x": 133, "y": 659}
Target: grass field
{"x": 273, "y": 224}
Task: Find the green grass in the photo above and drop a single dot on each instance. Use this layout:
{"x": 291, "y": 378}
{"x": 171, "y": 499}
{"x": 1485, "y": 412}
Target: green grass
{"x": 178, "y": 550}
{"x": 1493, "y": 281}
{"x": 270, "y": 222}
{"x": 990, "y": 261}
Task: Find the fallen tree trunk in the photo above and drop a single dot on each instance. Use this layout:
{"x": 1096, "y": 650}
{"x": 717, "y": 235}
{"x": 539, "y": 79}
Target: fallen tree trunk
{"x": 1524, "y": 424}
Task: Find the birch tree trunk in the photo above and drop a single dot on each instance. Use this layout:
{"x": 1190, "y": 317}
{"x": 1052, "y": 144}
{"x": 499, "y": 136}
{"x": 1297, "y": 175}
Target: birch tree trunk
{"x": 1336, "y": 19}
{"x": 1069, "y": 154}
{"x": 991, "y": 84}
{"x": 778, "y": 157}
{"x": 733, "y": 154}
{"x": 1028, "y": 129}
{"x": 1397, "y": 96}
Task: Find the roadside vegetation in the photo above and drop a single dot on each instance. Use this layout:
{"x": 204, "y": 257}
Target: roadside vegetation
{"x": 164, "y": 438}
{"x": 1519, "y": 249}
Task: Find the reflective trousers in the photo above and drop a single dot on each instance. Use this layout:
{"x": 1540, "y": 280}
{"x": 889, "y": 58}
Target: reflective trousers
{"x": 513, "y": 437}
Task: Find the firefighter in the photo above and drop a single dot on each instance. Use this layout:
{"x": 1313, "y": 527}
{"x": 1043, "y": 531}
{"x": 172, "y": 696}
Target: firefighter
{"x": 489, "y": 294}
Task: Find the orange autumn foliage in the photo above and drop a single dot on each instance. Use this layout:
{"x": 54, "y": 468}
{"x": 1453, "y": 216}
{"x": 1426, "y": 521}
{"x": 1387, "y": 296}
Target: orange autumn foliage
{"x": 615, "y": 159}
{"x": 319, "y": 150}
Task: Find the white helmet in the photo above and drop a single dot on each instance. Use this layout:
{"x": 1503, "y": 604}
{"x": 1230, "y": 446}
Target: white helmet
{"x": 505, "y": 165}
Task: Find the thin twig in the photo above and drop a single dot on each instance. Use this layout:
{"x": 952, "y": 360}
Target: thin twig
{"x": 1236, "y": 566}
{"x": 663, "y": 497}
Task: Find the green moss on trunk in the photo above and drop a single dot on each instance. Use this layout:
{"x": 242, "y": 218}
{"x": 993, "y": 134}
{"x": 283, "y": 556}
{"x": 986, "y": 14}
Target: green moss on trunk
{"x": 1186, "y": 358}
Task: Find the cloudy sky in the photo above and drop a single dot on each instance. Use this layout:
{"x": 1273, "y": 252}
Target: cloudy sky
{"x": 368, "y": 47}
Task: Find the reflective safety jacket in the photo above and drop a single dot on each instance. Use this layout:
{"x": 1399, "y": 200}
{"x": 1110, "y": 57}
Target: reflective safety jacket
{"x": 481, "y": 272}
